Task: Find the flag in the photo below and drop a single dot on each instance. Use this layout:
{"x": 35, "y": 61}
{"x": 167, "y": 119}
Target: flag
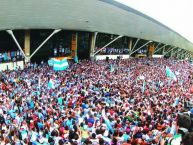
{"x": 39, "y": 82}
{"x": 176, "y": 140}
{"x": 76, "y": 59}
{"x": 5, "y": 56}
{"x": 170, "y": 74}
{"x": 141, "y": 77}
{"x": 60, "y": 64}
{"x": 51, "y": 84}
{"x": 50, "y": 62}
{"x": 173, "y": 129}
{"x": 176, "y": 102}
{"x": 107, "y": 121}
{"x": 143, "y": 87}
{"x": 128, "y": 72}
{"x": 111, "y": 68}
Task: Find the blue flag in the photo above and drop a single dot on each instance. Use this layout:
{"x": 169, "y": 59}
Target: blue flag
{"x": 111, "y": 68}
{"x": 60, "y": 64}
{"x": 51, "y": 84}
{"x": 50, "y": 62}
{"x": 170, "y": 74}
{"x": 143, "y": 87}
{"x": 5, "y": 56}
{"x": 76, "y": 59}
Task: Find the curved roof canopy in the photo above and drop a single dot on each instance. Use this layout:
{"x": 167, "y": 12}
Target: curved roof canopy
{"x": 105, "y": 16}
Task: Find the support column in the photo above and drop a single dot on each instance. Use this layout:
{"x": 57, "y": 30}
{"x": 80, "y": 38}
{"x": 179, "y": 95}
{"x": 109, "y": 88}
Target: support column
{"x": 92, "y": 45}
{"x": 130, "y": 44}
{"x": 74, "y": 45}
{"x": 151, "y": 49}
{"x": 163, "y": 50}
{"x": 27, "y": 45}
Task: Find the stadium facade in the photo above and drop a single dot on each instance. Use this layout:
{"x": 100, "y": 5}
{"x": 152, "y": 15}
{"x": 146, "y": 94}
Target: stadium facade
{"x": 87, "y": 28}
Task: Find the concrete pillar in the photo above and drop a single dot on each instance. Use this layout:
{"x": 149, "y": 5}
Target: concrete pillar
{"x": 151, "y": 49}
{"x": 92, "y": 45}
{"x": 27, "y": 44}
{"x": 163, "y": 50}
{"x": 130, "y": 44}
{"x": 74, "y": 45}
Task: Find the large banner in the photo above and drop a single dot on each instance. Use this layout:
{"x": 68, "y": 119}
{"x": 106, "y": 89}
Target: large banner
{"x": 58, "y": 64}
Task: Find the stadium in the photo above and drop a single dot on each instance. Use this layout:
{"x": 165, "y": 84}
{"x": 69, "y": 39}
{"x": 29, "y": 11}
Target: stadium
{"x": 94, "y": 72}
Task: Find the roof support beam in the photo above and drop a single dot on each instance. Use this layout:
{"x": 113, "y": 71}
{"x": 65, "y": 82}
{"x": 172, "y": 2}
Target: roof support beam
{"x": 170, "y": 50}
{"x": 159, "y": 48}
{"x": 93, "y": 42}
{"x": 182, "y": 52}
{"x": 15, "y": 40}
{"x": 179, "y": 53}
{"x": 135, "y": 45}
{"x": 185, "y": 55}
{"x": 178, "y": 50}
{"x": 107, "y": 44}
{"x": 38, "y": 48}
{"x": 140, "y": 47}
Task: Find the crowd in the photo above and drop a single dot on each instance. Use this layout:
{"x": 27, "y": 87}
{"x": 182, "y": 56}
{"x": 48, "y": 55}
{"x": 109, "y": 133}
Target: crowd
{"x": 61, "y": 51}
{"x": 10, "y": 56}
{"x": 134, "y": 103}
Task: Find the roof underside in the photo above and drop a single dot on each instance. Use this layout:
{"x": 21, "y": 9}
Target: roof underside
{"x": 105, "y": 16}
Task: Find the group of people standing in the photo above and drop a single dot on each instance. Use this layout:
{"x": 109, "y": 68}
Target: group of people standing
{"x": 135, "y": 103}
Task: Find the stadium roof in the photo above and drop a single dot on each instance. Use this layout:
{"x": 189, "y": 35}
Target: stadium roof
{"x": 105, "y": 16}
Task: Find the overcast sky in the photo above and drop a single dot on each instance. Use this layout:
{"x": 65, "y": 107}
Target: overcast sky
{"x": 176, "y": 14}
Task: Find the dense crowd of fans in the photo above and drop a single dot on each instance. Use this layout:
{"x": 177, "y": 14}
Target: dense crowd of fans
{"x": 134, "y": 103}
{"x": 61, "y": 51}
{"x": 10, "y": 56}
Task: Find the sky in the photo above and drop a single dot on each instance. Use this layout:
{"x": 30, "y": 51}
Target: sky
{"x": 176, "y": 14}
